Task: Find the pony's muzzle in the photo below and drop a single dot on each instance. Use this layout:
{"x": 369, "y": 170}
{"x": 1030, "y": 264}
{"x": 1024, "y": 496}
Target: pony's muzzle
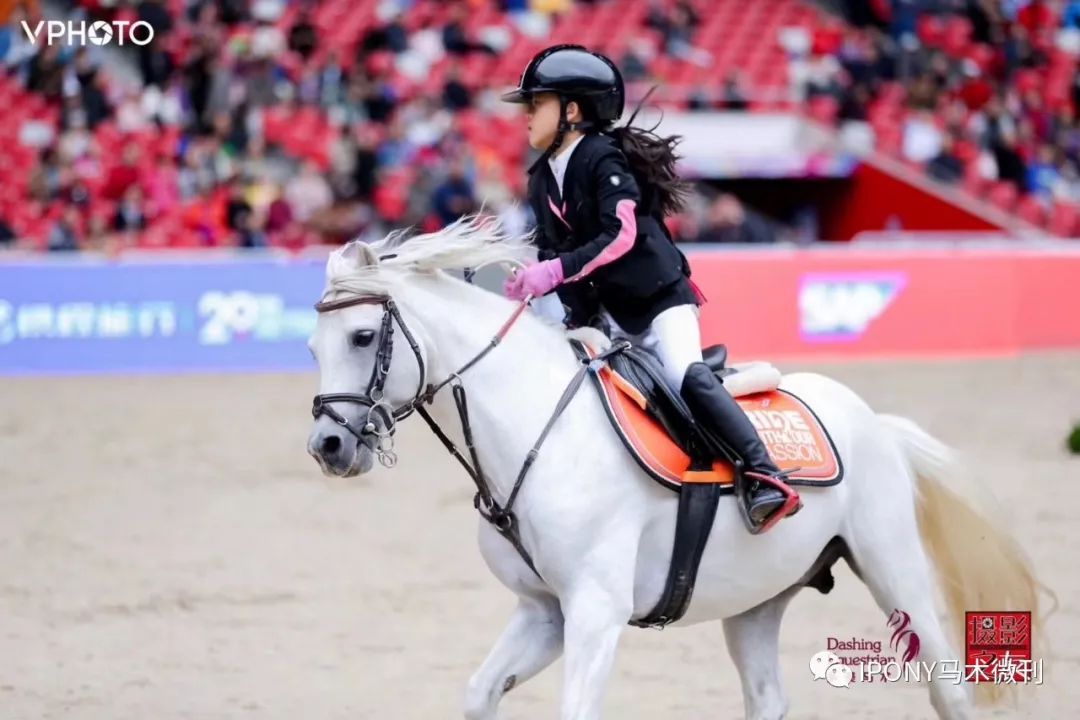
{"x": 330, "y": 446}
{"x": 337, "y": 451}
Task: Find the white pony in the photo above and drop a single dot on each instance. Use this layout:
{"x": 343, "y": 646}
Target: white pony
{"x": 598, "y": 529}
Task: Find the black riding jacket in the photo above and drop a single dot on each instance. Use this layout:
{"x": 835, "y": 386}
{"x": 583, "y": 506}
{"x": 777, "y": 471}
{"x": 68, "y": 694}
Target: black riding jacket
{"x": 609, "y": 236}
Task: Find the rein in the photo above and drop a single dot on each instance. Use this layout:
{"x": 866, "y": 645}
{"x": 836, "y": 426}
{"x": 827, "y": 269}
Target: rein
{"x": 501, "y": 517}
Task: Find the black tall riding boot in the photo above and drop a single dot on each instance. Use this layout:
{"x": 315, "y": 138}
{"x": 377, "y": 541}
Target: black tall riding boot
{"x": 713, "y": 406}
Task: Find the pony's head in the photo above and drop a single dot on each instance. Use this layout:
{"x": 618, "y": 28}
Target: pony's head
{"x": 370, "y": 342}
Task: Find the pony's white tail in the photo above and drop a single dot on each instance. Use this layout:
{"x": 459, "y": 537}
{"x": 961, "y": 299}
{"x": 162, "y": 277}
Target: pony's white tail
{"x": 979, "y": 565}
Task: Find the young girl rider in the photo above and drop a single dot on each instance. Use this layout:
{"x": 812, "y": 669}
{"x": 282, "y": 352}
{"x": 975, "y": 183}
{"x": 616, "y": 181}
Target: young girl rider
{"x": 600, "y": 195}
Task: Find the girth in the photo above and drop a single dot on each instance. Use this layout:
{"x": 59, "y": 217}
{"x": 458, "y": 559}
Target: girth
{"x": 698, "y": 501}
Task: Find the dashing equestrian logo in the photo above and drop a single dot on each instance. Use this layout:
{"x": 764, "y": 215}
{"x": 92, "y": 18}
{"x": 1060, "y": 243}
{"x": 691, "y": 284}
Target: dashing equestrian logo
{"x": 900, "y": 621}
{"x": 98, "y": 32}
{"x": 842, "y": 671}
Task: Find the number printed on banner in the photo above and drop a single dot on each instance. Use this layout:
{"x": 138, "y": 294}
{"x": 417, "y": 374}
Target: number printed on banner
{"x": 231, "y": 316}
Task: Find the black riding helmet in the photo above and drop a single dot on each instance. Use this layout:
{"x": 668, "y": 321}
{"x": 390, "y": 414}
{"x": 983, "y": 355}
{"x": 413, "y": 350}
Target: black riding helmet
{"x": 577, "y": 74}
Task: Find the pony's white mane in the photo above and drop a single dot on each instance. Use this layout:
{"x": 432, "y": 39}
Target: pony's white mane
{"x": 379, "y": 268}
{"x": 376, "y": 268}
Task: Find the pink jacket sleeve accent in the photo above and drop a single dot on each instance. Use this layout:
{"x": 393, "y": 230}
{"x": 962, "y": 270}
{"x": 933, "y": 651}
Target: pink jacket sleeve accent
{"x": 621, "y": 244}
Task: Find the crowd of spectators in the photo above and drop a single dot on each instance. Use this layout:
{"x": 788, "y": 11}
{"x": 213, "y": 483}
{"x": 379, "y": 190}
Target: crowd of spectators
{"x": 972, "y": 106}
{"x": 204, "y": 90}
{"x": 203, "y": 87}
{"x": 981, "y": 93}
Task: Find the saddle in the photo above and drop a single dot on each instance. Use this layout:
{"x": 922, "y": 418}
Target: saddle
{"x": 660, "y": 432}
{"x": 658, "y": 429}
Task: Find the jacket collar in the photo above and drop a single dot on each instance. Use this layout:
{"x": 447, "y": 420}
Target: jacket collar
{"x": 560, "y": 162}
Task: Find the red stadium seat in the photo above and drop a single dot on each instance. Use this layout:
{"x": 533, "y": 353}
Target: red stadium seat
{"x": 827, "y": 37}
{"x": 965, "y": 150}
{"x": 1064, "y": 218}
{"x": 930, "y": 30}
{"x": 1027, "y": 80}
{"x": 983, "y": 56}
{"x": 974, "y": 182}
{"x": 1003, "y": 194}
{"x": 892, "y": 94}
{"x": 957, "y": 39}
{"x": 890, "y": 138}
{"x": 1031, "y": 209}
{"x": 824, "y": 109}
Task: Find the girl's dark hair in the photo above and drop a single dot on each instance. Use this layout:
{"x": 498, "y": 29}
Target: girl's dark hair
{"x": 652, "y": 161}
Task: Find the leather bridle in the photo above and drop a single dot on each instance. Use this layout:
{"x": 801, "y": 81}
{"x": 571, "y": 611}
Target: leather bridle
{"x": 500, "y": 516}
{"x": 372, "y": 399}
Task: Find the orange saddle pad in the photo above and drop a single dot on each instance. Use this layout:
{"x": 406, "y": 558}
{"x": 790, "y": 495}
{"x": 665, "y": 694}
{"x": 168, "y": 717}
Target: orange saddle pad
{"x": 790, "y": 430}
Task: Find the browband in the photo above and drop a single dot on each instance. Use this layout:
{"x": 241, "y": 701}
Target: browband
{"x": 330, "y": 305}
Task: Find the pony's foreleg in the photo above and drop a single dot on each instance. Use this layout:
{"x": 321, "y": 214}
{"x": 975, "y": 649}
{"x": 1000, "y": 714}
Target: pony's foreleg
{"x": 594, "y": 621}
{"x": 753, "y": 640}
{"x": 532, "y": 640}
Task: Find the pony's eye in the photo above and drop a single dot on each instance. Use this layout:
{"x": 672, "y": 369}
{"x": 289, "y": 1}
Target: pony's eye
{"x": 362, "y": 338}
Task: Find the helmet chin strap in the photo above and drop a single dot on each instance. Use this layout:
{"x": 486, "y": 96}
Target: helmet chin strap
{"x": 565, "y": 126}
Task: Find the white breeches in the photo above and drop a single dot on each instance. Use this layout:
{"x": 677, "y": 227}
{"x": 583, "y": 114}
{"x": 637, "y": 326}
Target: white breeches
{"x": 675, "y": 337}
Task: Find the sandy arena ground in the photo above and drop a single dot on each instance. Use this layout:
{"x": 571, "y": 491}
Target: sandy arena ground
{"x": 169, "y": 551}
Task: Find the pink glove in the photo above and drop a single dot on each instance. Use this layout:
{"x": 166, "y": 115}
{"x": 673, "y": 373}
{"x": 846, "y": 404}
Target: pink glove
{"x": 536, "y": 280}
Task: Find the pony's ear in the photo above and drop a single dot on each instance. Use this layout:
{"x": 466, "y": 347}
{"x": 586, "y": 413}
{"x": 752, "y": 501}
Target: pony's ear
{"x": 350, "y": 256}
{"x": 359, "y": 253}
{"x": 354, "y": 254}
{"x": 365, "y": 256}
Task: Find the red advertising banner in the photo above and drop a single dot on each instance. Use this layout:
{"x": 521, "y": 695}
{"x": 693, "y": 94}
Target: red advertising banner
{"x": 871, "y": 302}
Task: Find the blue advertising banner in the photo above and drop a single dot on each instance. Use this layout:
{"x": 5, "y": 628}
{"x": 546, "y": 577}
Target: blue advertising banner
{"x": 221, "y": 315}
